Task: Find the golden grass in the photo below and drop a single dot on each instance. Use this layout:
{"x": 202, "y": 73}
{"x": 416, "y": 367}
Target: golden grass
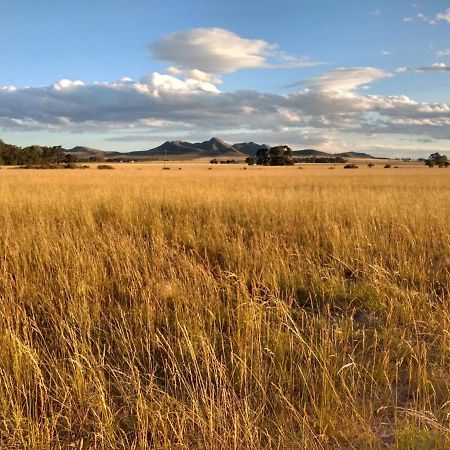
{"x": 224, "y": 309}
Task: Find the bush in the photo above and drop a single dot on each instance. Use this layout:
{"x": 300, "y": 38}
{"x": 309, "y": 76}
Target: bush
{"x": 105, "y": 167}
{"x": 350, "y": 166}
{"x": 387, "y": 166}
{"x": 70, "y": 165}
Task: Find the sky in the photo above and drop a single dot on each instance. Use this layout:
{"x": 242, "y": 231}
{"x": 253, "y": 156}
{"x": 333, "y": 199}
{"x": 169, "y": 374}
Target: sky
{"x": 337, "y": 75}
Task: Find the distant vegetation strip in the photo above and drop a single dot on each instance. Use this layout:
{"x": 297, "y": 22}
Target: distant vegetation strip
{"x": 219, "y": 151}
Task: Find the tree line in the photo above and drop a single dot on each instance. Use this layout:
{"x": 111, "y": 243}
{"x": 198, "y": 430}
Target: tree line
{"x": 12, "y": 155}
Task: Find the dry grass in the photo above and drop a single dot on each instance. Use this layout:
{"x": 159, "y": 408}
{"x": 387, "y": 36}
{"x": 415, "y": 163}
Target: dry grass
{"x": 224, "y": 309}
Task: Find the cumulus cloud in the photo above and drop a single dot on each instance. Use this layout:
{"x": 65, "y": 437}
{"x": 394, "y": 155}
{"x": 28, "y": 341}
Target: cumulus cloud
{"x": 67, "y": 84}
{"x": 443, "y": 52}
{"x": 217, "y": 50}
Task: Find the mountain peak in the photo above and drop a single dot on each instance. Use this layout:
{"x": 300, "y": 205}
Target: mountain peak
{"x": 215, "y": 140}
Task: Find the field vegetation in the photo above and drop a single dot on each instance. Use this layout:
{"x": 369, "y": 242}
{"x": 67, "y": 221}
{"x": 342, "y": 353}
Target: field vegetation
{"x": 225, "y": 308}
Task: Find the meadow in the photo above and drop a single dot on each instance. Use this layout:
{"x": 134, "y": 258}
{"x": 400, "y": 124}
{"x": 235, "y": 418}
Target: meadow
{"x": 264, "y": 308}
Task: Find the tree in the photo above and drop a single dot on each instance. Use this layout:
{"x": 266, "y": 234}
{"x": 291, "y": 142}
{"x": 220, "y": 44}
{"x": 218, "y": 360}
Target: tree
{"x": 52, "y": 155}
{"x": 263, "y": 157}
{"x": 436, "y": 159}
{"x": 275, "y": 156}
{"x": 12, "y": 155}
{"x": 69, "y": 158}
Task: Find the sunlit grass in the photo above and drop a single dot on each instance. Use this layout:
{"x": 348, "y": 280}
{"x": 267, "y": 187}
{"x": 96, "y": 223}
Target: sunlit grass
{"x": 265, "y": 308}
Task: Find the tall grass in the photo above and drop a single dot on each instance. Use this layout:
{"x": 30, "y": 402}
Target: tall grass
{"x": 224, "y": 309}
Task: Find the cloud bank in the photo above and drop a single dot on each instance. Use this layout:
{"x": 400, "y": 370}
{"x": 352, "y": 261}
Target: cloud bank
{"x": 332, "y": 103}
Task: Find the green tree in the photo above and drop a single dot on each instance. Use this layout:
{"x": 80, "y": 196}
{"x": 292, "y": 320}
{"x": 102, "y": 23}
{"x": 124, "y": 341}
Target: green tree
{"x": 275, "y": 156}
{"x": 436, "y": 159}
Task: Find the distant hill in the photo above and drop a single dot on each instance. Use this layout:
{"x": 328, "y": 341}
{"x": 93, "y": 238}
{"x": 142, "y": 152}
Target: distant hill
{"x": 249, "y": 148}
{"x": 310, "y": 152}
{"x": 214, "y": 148}
{"x": 355, "y": 155}
{"x": 86, "y": 152}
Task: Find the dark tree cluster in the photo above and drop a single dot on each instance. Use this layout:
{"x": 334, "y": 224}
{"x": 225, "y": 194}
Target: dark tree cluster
{"x": 224, "y": 161}
{"x": 320, "y": 159}
{"x": 11, "y": 155}
{"x": 274, "y": 156}
{"x": 437, "y": 160}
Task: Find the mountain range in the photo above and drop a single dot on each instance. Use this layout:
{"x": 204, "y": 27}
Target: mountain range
{"x": 214, "y": 148}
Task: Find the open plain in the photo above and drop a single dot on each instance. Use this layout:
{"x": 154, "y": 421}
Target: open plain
{"x": 226, "y": 308}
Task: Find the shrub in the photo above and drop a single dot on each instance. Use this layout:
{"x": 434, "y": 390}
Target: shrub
{"x": 71, "y": 165}
{"x": 350, "y": 166}
{"x": 105, "y": 167}
{"x": 387, "y": 166}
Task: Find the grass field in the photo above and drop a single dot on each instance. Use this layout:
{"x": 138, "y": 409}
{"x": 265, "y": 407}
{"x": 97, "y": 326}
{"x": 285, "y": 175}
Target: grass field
{"x": 225, "y": 308}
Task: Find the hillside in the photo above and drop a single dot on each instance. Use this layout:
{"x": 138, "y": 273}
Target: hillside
{"x": 355, "y": 155}
{"x": 218, "y": 148}
{"x": 85, "y": 152}
{"x": 249, "y": 148}
{"x": 310, "y": 152}
{"x": 212, "y": 148}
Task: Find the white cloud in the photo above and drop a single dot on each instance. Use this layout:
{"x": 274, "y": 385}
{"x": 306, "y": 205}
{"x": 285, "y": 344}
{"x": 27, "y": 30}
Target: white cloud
{"x": 344, "y": 79}
{"x": 217, "y": 50}
{"x": 436, "y": 67}
{"x": 158, "y": 83}
{"x": 444, "y": 52}
{"x": 444, "y": 16}
{"x": 426, "y": 19}
{"x": 439, "y": 17}
{"x": 67, "y": 84}
{"x": 385, "y": 52}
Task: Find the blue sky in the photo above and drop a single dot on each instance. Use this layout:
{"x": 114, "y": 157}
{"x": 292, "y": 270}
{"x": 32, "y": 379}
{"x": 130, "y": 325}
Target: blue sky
{"x": 334, "y": 75}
